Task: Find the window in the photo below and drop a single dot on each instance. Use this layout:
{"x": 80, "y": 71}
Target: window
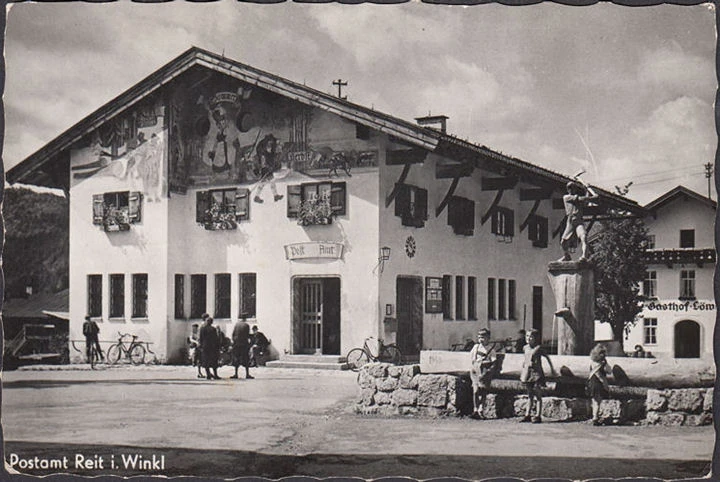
{"x": 179, "y": 296}
{"x": 248, "y": 302}
{"x": 116, "y": 211}
{"x": 491, "y": 299}
{"x": 95, "y": 295}
{"x": 140, "y": 295}
{"x": 472, "y": 298}
{"x": 687, "y": 238}
{"x": 687, "y": 284}
{"x": 538, "y": 231}
{"x": 411, "y": 205}
{"x": 221, "y": 209}
{"x": 650, "y": 243}
{"x": 446, "y": 300}
{"x": 512, "y": 315}
{"x": 222, "y": 295}
{"x": 301, "y": 196}
{"x": 461, "y": 215}
{"x": 459, "y": 294}
{"x": 117, "y": 295}
{"x": 502, "y": 314}
{"x": 198, "y": 295}
{"x": 503, "y": 222}
{"x": 650, "y": 284}
{"x": 650, "y": 331}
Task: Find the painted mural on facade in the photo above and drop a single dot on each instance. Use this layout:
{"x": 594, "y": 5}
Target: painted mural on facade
{"x": 130, "y": 148}
{"x": 225, "y": 132}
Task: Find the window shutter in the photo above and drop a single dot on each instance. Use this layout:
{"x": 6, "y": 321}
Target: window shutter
{"x": 134, "y": 206}
{"x": 294, "y": 197}
{"x": 421, "y": 204}
{"x": 242, "y": 204}
{"x": 98, "y": 208}
{"x": 402, "y": 200}
{"x": 509, "y": 222}
{"x": 338, "y": 198}
{"x": 202, "y": 204}
{"x": 469, "y": 214}
{"x": 494, "y": 221}
{"x": 453, "y": 211}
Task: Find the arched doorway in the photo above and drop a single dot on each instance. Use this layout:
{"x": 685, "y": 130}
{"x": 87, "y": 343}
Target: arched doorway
{"x": 687, "y": 339}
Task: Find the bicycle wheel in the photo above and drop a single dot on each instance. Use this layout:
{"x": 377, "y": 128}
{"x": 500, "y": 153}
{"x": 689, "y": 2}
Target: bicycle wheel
{"x": 137, "y": 354}
{"x": 356, "y": 358}
{"x": 391, "y": 354}
{"x": 113, "y": 354}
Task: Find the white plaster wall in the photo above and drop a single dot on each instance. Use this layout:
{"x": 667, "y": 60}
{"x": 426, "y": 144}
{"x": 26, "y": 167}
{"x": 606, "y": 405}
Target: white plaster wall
{"x": 441, "y": 252}
{"x": 142, "y": 249}
{"x": 682, "y": 214}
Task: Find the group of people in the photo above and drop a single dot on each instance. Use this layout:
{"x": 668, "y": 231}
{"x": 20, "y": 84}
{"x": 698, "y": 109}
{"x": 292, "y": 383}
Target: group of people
{"x": 485, "y": 365}
{"x": 245, "y": 348}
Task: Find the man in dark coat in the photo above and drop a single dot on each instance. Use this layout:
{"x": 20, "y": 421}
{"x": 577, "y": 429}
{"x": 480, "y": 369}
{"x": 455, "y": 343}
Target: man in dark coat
{"x": 91, "y": 330}
{"x": 209, "y": 344}
{"x": 259, "y": 345}
{"x": 241, "y": 347}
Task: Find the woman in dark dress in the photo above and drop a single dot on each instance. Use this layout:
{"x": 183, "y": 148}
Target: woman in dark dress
{"x": 209, "y": 344}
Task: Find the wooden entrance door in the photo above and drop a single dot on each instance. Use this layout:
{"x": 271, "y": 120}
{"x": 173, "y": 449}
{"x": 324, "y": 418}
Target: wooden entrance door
{"x": 311, "y": 315}
{"x": 687, "y": 339}
{"x": 409, "y": 315}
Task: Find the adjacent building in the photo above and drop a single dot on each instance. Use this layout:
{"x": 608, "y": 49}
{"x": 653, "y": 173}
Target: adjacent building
{"x": 212, "y": 186}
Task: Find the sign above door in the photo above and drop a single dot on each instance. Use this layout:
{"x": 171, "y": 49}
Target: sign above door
{"x": 313, "y": 250}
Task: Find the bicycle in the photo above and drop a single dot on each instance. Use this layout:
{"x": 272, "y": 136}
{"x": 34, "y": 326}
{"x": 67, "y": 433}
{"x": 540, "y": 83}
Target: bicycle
{"x": 357, "y": 357}
{"x": 134, "y": 350}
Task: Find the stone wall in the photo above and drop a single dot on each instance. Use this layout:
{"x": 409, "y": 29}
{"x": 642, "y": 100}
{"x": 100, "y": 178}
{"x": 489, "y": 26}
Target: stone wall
{"x": 387, "y": 390}
{"x": 687, "y": 406}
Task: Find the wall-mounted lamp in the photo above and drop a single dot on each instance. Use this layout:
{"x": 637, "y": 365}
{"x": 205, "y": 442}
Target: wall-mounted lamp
{"x": 384, "y": 256}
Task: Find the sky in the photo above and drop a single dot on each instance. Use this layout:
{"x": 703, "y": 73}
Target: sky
{"x": 626, "y": 94}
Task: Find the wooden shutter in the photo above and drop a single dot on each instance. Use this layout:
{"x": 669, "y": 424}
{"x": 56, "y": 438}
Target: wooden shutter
{"x": 134, "y": 207}
{"x": 494, "y": 221}
{"x": 421, "y": 204}
{"x": 469, "y": 217}
{"x": 294, "y": 197}
{"x": 402, "y": 200}
{"x": 242, "y": 204}
{"x": 202, "y": 204}
{"x": 98, "y": 208}
{"x": 509, "y": 222}
{"x": 338, "y": 198}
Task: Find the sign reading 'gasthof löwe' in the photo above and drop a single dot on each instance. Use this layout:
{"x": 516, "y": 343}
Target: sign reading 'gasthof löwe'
{"x": 313, "y": 250}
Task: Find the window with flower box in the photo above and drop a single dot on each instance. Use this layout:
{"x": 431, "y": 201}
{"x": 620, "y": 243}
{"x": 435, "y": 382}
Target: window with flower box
{"x": 316, "y": 202}
{"x": 222, "y": 209}
{"x": 116, "y": 211}
{"x": 411, "y": 205}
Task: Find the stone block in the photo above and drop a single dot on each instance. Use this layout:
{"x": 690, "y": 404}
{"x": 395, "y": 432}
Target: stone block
{"x": 387, "y": 384}
{"x": 365, "y": 380}
{"x": 490, "y": 408}
{"x": 656, "y": 400}
{"x": 377, "y": 370}
{"x": 610, "y": 411}
{"x": 633, "y": 410}
{"x": 564, "y": 409}
{"x": 404, "y": 398}
{"x": 459, "y": 394}
{"x": 708, "y": 400}
{"x": 367, "y": 396}
{"x": 383, "y": 398}
{"x": 394, "y": 371}
{"x": 520, "y": 405}
{"x": 665, "y": 418}
{"x": 686, "y": 400}
{"x": 409, "y": 376}
{"x": 432, "y": 391}
{"x": 698, "y": 420}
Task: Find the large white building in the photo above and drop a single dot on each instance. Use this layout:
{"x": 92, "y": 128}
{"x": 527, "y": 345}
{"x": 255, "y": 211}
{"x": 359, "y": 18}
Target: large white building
{"x": 374, "y": 226}
{"x": 678, "y": 316}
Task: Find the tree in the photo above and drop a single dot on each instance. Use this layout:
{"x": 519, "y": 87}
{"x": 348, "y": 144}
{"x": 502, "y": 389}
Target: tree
{"x": 618, "y": 257}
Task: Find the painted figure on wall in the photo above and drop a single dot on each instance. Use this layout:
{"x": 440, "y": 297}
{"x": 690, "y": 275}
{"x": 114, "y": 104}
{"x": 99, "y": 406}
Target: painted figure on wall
{"x": 268, "y": 159}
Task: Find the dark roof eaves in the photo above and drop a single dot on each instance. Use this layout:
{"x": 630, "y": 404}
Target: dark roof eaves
{"x": 673, "y": 193}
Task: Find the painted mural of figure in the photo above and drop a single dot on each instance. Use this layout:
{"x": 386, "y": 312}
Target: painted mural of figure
{"x": 271, "y": 168}
{"x": 149, "y": 158}
{"x": 578, "y": 196}
{"x": 222, "y": 138}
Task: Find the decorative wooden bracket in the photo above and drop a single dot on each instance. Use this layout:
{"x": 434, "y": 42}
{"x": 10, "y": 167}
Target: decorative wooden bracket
{"x": 448, "y": 195}
{"x": 401, "y": 180}
{"x": 454, "y": 172}
{"x": 536, "y": 195}
{"x": 560, "y": 228}
{"x": 405, "y": 156}
{"x": 499, "y": 184}
{"x": 524, "y": 224}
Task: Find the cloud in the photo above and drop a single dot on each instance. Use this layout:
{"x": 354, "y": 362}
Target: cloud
{"x": 675, "y": 71}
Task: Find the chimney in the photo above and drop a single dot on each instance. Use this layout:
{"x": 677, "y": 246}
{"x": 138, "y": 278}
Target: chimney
{"x": 434, "y": 120}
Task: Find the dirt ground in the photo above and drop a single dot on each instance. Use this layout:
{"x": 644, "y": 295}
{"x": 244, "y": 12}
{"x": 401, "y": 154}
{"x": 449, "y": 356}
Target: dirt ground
{"x": 299, "y": 422}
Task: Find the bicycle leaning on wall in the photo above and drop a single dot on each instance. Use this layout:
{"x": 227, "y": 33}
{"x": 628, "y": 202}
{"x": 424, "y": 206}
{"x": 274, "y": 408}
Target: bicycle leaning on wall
{"x": 133, "y": 350}
{"x": 357, "y": 357}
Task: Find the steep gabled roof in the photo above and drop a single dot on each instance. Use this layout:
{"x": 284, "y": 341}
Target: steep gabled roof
{"x": 680, "y": 192}
{"x": 36, "y": 169}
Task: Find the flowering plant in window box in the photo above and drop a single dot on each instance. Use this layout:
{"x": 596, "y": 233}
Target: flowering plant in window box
{"x": 220, "y": 217}
{"x": 116, "y": 219}
{"x": 316, "y": 210}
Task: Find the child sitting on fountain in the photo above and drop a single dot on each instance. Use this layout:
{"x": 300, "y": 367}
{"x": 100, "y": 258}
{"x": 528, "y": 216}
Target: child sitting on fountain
{"x": 532, "y": 375}
{"x": 597, "y": 385}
